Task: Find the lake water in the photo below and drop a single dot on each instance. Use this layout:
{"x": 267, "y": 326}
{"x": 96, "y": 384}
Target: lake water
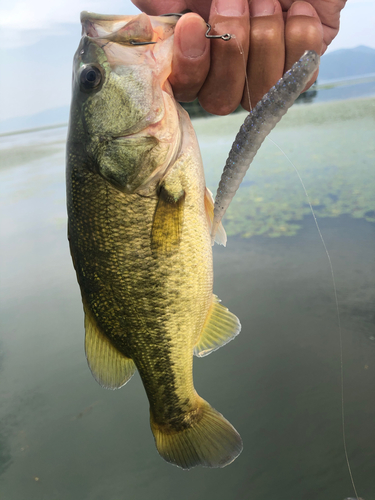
{"x": 63, "y": 437}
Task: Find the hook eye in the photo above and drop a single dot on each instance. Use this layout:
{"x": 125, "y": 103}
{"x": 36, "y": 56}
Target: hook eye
{"x": 225, "y": 37}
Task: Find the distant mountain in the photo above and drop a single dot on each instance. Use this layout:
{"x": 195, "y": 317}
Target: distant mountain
{"x": 343, "y": 63}
{"x": 346, "y": 63}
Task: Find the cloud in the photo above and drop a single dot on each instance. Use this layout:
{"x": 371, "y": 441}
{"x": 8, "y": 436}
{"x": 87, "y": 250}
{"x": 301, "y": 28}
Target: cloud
{"x": 25, "y": 23}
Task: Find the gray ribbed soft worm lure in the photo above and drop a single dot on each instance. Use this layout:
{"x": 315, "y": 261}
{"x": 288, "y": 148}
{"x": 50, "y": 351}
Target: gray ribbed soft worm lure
{"x": 257, "y": 125}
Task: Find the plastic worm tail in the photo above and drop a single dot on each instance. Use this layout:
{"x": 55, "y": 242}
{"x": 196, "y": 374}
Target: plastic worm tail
{"x": 257, "y": 125}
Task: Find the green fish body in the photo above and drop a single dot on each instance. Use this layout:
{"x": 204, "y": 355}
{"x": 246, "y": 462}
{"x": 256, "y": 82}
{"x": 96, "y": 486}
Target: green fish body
{"x": 139, "y": 231}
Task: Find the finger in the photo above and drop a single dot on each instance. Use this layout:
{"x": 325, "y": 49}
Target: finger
{"x": 303, "y": 31}
{"x": 191, "y": 57}
{"x": 155, "y": 8}
{"x": 267, "y": 50}
{"x": 222, "y": 91}
{"x": 329, "y": 15}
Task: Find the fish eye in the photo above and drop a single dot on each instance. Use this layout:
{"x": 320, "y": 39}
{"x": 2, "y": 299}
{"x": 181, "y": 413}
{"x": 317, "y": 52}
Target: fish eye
{"x": 90, "y": 77}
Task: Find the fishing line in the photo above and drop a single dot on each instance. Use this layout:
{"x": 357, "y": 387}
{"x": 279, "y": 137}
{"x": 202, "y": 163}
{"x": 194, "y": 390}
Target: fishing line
{"x": 240, "y": 48}
{"x": 333, "y": 283}
{"x": 337, "y": 314}
{"x": 226, "y": 37}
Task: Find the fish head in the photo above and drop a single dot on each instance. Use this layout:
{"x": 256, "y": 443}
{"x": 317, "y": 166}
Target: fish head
{"x": 123, "y": 116}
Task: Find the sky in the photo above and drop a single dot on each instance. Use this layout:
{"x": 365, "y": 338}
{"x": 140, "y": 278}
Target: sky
{"x": 38, "y": 40}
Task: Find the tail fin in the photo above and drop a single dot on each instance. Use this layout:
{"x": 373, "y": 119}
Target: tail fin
{"x": 210, "y": 440}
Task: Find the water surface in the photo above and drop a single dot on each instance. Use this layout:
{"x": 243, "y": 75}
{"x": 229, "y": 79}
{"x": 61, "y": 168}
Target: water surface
{"x": 64, "y": 437}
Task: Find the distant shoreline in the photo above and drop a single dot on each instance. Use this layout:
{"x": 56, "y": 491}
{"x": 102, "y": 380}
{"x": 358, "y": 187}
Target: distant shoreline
{"x": 35, "y": 129}
{"x": 193, "y": 113}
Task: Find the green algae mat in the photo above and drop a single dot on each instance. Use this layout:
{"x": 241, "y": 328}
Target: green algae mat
{"x": 332, "y": 146}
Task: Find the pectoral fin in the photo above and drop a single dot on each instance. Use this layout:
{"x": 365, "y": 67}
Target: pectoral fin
{"x": 167, "y": 224}
{"x": 220, "y": 235}
{"x": 110, "y": 368}
{"x": 221, "y": 327}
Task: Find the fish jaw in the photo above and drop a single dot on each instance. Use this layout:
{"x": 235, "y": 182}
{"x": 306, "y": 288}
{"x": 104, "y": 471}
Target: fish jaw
{"x": 139, "y": 71}
{"x": 128, "y": 125}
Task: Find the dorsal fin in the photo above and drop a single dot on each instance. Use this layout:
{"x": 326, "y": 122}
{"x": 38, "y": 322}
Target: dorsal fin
{"x": 110, "y": 368}
{"x": 221, "y": 327}
{"x": 220, "y": 235}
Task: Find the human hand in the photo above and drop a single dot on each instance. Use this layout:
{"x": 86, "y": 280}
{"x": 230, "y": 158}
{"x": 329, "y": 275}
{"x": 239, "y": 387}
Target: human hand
{"x": 272, "y": 34}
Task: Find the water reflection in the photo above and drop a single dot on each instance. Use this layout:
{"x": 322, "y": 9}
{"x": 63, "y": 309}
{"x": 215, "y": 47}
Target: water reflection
{"x": 278, "y": 381}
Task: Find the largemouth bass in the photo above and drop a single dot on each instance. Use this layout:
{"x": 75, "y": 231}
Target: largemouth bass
{"x": 139, "y": 231}
{"x": 140, "y": 224}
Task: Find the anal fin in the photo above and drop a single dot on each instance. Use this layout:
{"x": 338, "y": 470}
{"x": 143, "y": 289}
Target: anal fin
{"x": 221, "y": 327}
{"x": 109, "y": 367}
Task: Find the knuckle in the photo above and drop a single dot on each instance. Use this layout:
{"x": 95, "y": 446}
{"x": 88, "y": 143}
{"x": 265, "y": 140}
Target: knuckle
{"x": 264, "y": 36}
{"x": 221, "y": 107}
{"x": 184, "y": 94}
{"x": 308, "y": 32}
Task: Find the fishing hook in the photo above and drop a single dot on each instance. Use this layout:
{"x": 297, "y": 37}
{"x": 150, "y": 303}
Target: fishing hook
{"x": 225, "y": 37}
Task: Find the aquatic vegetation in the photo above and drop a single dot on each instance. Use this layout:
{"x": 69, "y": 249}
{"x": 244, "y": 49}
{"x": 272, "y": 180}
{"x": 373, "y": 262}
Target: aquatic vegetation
{"x": 339, "y": 178}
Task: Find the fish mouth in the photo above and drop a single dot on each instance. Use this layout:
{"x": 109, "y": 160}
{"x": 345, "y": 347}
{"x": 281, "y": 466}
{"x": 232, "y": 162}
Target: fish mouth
{"x": 127, "y": 30}
{"x": 140, "y": 45}
{"x": 149, "y": 113}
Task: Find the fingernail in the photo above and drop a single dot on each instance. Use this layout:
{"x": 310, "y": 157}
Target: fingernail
{"x": 262, "y": 8}
{"x": 192, "y": 39}
{"x": 301, "y": 9}
{"x": 230, "y": 7}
